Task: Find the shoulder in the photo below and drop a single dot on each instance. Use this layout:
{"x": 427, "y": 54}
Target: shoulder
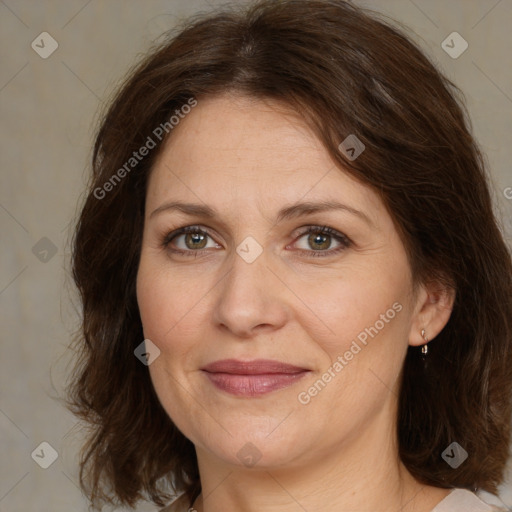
{"x": 462, "y": 500}
{"x": 459, "y": 500}
{"x": 180, "y": 504}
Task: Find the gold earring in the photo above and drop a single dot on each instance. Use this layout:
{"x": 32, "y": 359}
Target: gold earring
{"x": 424, "y": 348}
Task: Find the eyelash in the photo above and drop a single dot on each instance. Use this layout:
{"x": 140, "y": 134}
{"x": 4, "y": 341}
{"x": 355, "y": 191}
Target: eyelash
{"x": 345, "y": 242}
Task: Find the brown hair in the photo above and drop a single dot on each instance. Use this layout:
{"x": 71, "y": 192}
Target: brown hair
{"x": 347, "y": 72}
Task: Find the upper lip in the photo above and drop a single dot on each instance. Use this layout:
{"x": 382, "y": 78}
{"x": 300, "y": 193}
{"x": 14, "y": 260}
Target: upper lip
{"x": 253, "y": 367}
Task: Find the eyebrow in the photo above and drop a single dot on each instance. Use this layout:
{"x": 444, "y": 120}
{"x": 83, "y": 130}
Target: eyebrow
{"x": 286, "y": 213}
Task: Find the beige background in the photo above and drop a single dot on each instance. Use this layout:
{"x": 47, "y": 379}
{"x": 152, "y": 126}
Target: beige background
{"x": 49, "y": 110}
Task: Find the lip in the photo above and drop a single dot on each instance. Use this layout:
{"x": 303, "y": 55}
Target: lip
{"x": 253, "y": 367}
{"x": 252, "y": 378}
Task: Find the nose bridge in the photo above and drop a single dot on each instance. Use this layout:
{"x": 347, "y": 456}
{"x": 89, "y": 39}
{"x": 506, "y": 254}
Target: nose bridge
{"x": 248, "y": 297}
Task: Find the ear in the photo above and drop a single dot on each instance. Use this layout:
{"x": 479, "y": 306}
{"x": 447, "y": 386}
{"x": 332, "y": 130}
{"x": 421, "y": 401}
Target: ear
{"x": 434, "y": 305}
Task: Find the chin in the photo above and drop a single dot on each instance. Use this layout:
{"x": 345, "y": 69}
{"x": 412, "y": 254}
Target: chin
{"x": 252, "y": 447}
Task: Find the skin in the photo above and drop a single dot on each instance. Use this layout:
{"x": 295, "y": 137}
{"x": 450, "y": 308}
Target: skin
{"x": 247, "y": 159}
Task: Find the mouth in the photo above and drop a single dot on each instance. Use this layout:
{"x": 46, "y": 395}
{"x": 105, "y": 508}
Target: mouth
{"x": 252, "y": 378}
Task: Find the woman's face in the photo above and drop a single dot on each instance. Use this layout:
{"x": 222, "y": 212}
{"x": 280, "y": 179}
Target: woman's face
{"x": 249, "y": 282}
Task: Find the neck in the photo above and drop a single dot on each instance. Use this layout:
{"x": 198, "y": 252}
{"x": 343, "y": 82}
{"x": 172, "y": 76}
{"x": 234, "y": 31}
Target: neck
{"x": 359, "y": 474}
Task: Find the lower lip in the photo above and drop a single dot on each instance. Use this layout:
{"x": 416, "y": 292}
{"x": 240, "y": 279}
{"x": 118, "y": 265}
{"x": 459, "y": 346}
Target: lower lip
{"x": 253, "y": 385}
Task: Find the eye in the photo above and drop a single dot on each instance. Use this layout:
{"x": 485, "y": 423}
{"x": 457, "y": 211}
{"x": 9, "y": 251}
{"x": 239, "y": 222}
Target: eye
{"x": 187, "y": 240}
{"x": 318, "y": 240}
{"x": 192, "y": 240}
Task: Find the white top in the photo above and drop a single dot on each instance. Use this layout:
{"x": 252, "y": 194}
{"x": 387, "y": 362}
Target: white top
{"x": 459, "y": 500}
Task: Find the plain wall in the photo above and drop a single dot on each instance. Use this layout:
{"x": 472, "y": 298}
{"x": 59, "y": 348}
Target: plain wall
{"x": 49, "y": 110}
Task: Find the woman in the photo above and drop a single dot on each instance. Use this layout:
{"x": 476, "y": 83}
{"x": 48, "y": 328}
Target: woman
{"x": 295, "y": 293}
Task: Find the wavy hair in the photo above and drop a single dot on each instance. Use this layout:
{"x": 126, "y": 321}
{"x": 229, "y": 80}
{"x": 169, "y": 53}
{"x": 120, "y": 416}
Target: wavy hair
{"x": 346, "y": 71}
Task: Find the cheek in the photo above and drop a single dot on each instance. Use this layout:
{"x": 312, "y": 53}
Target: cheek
{"x": 155, "y": 307}
{"x": 165, "y": 301}
{"x": 363, "y": 304}
{"x": 163, "y": 306}
{"x": 362, "y": 324}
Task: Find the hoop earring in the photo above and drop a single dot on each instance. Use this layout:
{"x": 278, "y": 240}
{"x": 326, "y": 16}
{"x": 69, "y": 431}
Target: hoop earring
{"x": 424, "y": 348}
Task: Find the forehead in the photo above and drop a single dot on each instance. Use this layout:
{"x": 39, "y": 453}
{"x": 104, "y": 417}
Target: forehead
{"x": 238, "y": 151}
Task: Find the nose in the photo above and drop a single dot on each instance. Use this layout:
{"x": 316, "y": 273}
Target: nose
{"x": 251, "y": 298}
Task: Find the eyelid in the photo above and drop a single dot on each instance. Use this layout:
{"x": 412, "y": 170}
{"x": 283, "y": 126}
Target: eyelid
{"x": 169, "y": 237}
{"x": 317, "y": 228}
{"x": 344, "y": 241}
{"x": 183, "y": 231}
